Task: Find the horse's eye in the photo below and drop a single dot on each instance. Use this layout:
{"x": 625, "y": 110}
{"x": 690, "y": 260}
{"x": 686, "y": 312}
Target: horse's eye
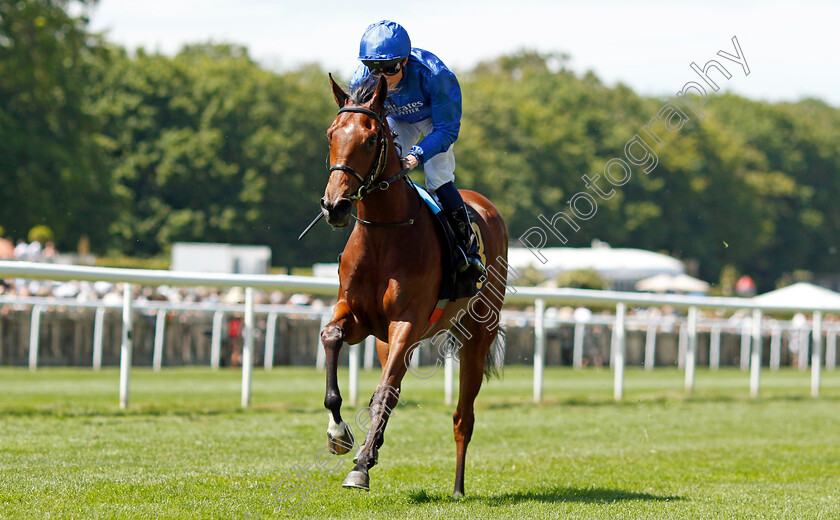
{"x": 371, "y": 142}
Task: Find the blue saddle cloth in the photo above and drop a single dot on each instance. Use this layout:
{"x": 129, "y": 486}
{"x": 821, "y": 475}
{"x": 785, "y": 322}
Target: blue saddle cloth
{"x": 427, "y": 197}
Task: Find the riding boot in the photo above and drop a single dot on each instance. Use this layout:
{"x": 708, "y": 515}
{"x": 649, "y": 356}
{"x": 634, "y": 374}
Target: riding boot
{"x": 469, "y": 259}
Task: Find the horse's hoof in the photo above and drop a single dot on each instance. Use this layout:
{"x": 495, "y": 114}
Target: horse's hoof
{"x": 341, "y": 444}
{"x": 358, "y": 480}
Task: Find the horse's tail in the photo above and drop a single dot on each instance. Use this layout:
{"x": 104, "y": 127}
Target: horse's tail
{"x": 495, "y": 361}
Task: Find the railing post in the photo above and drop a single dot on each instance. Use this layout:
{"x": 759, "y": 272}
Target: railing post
{"x": 577, "y": 349}
{"x": 216, "y": 340}
{"x": 127, "y": 345}
{"x": 270, "y": 333}
{"x": 803, "y": 346}
{"x": 745, "y": 346}
{"x": 775, "y": 346}
{"x": 650, "y": 346}
{"x": 831, "y": 349}
{"x": 714, "y": 347}
{"x": 98, "y": 331}
{"x": 370, "y": 348}
{"x": 691, "y": 350}
{"x": 248, "y": 349}
{"x": 160, "y": 337}
{"x": 539, "y": 347}
{"x": 816, "y": 354}
{"x": 320, "y": 353}
{"x": 353, "y": 361}
{"x": 682, "y": 344}
{"x": 414, "y": 359}
{"x": 619, "y": 344}
{"x": 35, "y": 336}
{"x": 755, "y": 357}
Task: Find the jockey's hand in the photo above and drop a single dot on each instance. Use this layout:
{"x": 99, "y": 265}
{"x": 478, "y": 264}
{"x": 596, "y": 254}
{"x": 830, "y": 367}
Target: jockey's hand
{"x": 410, "y": 162}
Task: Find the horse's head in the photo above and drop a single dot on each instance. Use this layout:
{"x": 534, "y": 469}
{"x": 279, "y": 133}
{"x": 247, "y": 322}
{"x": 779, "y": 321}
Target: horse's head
{"x": 358, "y": 150}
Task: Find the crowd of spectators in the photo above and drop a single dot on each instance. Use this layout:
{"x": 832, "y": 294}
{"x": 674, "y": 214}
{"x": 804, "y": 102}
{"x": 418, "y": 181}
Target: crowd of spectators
{"x": 112, "y": 293}
{"x": 32, "y": 252}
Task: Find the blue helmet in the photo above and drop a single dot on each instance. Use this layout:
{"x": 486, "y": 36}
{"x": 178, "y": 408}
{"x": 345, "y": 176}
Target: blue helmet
{"x": 384, "y": 41}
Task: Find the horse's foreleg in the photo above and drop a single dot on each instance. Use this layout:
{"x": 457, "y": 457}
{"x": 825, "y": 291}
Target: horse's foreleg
{"x": 339, "y": 435}
{"x": 384, "y": 400}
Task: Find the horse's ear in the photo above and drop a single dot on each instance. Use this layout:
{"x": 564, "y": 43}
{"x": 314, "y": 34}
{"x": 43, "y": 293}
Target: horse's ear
{"x": 338, "y": 93}
{"x": 378, "y": 99}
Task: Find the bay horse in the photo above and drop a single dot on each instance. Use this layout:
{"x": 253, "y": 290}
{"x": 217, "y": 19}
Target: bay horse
{"x": 390, "y": 275}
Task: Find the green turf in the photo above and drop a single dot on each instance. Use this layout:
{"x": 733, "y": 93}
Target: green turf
{"x": 184, "y": 449}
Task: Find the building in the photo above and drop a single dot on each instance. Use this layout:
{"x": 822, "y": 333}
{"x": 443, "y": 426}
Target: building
{"x": 220, "y": 258}
{"x": 620, "y": 267}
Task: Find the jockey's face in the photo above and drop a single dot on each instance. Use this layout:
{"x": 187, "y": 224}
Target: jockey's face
{"x": 394, "y": 79}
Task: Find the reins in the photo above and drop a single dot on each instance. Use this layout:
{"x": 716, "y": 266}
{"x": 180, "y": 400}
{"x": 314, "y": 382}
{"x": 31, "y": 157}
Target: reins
{"x": 368, "y": 184}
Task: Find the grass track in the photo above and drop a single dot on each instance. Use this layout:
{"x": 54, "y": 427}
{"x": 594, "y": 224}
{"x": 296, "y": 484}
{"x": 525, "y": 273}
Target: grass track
{"x": 186, "y": 450}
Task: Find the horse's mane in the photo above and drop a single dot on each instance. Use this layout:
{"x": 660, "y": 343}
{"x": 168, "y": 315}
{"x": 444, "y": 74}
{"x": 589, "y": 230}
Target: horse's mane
{"x": 362, "y": 92}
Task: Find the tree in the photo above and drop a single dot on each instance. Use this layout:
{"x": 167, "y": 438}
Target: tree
{"x": 50, "y": 159}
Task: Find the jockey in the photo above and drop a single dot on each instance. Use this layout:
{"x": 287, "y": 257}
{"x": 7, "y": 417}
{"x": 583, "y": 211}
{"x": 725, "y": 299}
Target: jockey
{"x": 426, "y": 118}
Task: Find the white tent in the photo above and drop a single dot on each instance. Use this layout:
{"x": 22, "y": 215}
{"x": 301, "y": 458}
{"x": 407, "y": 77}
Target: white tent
{"x": 622, "y": 267}
{"x": 801, "y": 293}
{"x": 672, "y": 283}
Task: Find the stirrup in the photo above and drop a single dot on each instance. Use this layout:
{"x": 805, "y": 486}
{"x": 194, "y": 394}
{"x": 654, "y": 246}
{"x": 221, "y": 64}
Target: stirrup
{"x": 474, "y": 264}
{"x": 463, "y": 262}
{"x": 469, "y": 259}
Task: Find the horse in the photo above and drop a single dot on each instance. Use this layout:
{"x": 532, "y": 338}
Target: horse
{"x": 389, "y": 278}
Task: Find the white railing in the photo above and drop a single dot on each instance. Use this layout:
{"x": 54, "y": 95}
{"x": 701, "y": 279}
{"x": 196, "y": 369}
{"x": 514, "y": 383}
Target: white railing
{"x": 690, "y": 303}
{"x": 539, "y": 297}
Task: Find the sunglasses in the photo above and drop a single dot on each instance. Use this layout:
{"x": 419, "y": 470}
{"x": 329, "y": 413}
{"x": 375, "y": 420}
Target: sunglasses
{"x": 389, "y": 68}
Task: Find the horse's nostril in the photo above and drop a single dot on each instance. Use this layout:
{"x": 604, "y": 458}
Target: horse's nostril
{"x": 343, "y": 206}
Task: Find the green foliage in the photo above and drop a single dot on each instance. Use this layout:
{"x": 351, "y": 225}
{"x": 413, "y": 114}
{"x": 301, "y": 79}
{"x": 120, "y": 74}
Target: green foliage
{"x": 207, "y": 146}
{"x": 530, "y": 276}
{"x": 130, "y": 262}
{"x": 728, "y": 279}
{"x": 41, "y": 233}
{"x": 582, "y": 279}
{"x": 799, "y": 275}
{"x": 51, "y": 166}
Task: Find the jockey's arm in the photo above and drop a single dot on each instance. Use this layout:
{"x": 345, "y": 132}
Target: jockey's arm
{"x": 445, "y": 96}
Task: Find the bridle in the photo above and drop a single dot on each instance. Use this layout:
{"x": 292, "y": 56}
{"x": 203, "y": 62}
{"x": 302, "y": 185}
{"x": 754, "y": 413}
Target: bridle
{"x": 376, "y": 170}
{"x": 369, "y": 184}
